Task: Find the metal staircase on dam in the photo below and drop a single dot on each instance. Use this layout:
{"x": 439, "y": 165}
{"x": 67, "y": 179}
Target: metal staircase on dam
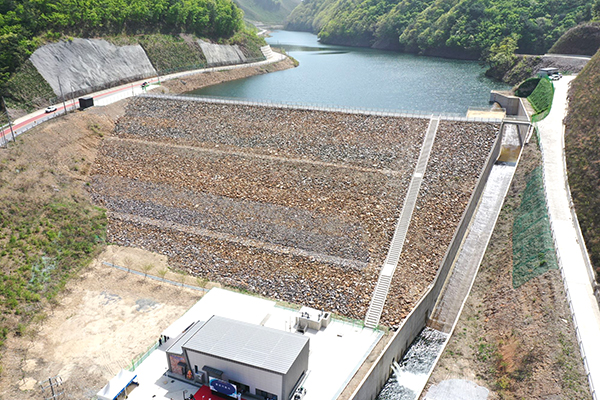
{"x": 419, "y": 359}
{"x": 389, "y": 267}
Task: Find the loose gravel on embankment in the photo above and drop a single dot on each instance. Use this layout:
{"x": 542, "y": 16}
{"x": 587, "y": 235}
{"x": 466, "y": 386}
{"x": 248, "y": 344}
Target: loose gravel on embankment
{"x": 294, "y": 204}
{"x": 457, "y": 158}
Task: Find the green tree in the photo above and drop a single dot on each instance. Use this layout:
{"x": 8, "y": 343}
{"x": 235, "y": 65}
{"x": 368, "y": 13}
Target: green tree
{"x": 502, "y": 55}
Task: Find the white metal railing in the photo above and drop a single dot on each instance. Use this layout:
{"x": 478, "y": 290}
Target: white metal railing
{"x": 321, "y": 107}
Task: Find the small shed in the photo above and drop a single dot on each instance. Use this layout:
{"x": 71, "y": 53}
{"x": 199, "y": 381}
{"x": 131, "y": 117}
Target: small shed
{"x": 86, "y": 102}
{"x": 116, "y": 385}
{"x": 547, "y": 71}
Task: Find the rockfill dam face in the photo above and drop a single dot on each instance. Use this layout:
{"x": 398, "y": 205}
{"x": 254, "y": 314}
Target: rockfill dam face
{"x": 295, "y": 204}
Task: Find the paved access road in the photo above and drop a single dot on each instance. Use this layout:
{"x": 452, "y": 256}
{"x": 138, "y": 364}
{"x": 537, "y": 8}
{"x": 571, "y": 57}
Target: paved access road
{"x": 577, "y": 274}
{"x": 115, "y": 94}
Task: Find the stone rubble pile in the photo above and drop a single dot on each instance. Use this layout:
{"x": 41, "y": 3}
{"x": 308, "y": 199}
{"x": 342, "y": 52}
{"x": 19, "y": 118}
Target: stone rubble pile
{"x": 457, "y": 158}
{"x": 292, "y": 204}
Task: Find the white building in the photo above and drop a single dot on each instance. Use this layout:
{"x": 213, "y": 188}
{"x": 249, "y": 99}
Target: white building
{"x": 237, "y": 357}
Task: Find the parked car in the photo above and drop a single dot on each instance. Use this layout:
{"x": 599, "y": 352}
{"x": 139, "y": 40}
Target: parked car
{"x": 555, "y": 77}
{"x": 50, "y": 109}
{"x": 300, "y": 393}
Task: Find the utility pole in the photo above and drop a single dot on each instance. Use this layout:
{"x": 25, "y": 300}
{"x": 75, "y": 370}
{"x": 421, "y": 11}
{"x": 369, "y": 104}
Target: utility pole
{"x": 72, "y": 96}
{"x": 9, "y": 123}
{"x": 62, "y": 95}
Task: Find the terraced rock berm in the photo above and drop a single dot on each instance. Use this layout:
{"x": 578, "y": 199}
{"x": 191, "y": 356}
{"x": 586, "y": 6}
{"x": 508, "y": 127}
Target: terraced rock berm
{"x": 294, "y": 204}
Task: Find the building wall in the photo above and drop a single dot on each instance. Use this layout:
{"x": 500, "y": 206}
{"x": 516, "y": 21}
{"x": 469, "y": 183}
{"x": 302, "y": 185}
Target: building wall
{"x": 298, "y": 367}
{"x": 254, "y": 377}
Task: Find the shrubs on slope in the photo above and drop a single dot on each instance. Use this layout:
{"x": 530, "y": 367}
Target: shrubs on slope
{"x": 583, "y": 39}
{"x": 26, "y": 24}
{"x": 582, "y": 147}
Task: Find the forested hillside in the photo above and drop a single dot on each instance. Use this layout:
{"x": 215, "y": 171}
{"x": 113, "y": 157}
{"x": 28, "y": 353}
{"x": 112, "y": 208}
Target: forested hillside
{"x": 456, "y": 28}
{"x": 27, "y": 24}
{"x": 583, "y": 39}
{"x": 582, "y": 147}
{"x": 272, "y": 12}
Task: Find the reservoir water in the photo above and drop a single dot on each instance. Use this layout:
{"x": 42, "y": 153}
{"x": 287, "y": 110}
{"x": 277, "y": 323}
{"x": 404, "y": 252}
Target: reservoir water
{"x": 364, "y": 78}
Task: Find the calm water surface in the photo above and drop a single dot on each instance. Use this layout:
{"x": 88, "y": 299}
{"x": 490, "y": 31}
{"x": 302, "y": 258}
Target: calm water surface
{"x": 364, "y": 78}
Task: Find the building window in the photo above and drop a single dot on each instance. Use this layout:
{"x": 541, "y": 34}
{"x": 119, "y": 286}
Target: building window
{"x": 241, "y": 388}
{"x": 266, "y": 395}
{"x": 195, "y": 368}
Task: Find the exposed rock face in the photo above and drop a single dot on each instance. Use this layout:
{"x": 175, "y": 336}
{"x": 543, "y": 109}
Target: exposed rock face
{"x": 85, "y": 65}
{"x": 221, "y": 54}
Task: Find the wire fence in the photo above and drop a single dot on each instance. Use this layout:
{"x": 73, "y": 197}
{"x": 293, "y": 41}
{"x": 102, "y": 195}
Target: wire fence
{"x": 140, "y": 359}
{"x": 156, "y": 278}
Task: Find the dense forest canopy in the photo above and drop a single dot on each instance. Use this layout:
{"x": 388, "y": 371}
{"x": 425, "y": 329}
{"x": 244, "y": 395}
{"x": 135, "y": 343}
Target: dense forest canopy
{"x": 25, "y": 24}
{"x": 466, "y": 27}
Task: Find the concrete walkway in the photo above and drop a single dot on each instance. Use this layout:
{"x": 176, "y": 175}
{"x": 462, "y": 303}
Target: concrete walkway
{"x": 112, "y": 95}
{"x": 572, "y": 256}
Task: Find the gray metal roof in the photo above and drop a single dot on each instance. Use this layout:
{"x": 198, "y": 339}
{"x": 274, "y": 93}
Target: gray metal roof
{"x": 176, "y": 347}
{"x": 254, "y": 345}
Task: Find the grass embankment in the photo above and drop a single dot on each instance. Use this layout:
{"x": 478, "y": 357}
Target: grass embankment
{"x": 48, "y": 228}
{"x": 539, "y": 92}
{"x": 533, "y": 248}
{"x": 167, "y": 53}
{"x": 515, "y": 335}
{"x": 582, "y": 147}
{"x": 173, "y": 53}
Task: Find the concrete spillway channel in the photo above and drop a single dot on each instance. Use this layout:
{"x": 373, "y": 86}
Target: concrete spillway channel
{"x": 413, "y": 371}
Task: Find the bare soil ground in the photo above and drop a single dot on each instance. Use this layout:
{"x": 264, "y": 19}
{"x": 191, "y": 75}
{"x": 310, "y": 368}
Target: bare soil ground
{"x": 519, "y": 343}
{"x": 198, "y": 81}
{"x": 104, "y": 318}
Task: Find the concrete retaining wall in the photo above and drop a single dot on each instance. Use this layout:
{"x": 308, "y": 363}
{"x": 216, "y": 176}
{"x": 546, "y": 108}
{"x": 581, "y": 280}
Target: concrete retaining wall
{"x": 514, "y": 107}
{"x": 509, "y": 103}
{"x": 222, "y": 54}
{"x": 379, "y": 373}
{"x": 87, "y": 65}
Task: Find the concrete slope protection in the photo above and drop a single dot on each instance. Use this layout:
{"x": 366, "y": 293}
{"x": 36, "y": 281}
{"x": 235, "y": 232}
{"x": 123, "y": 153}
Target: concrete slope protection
{"x": 84, "y": 65}
{"x": 571, "y": 252}
{"x": 114, "y": 94}
{"x": 221, "y": 54}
